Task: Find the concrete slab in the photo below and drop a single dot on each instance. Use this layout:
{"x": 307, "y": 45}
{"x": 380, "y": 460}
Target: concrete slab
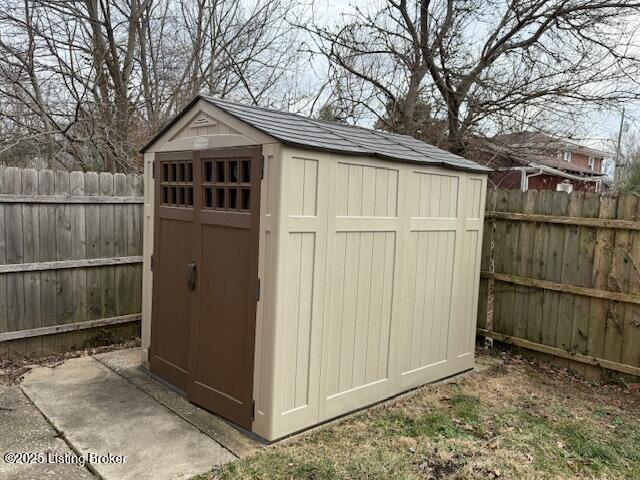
{"x": 102, "y": 413}
{"x": 24, "y": 430}
{"x": 128, "y": 363}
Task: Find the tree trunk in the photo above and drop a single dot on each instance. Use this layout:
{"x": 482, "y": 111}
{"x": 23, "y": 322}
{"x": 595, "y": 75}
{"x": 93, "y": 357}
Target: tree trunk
{"x": 409, "y": 104}
{"x": 455, "y": 135}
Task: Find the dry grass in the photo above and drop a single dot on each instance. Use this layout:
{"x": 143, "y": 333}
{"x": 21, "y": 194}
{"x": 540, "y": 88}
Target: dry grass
{"x": 511, "y": 421}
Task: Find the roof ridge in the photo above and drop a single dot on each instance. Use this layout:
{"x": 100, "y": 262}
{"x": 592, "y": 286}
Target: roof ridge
{"x": 320, "y": 123}
{"x": 215, "y": 99}
{"x": 313, "y": 122}
{"x": 297, "y": 115}
{"x": 272, "y": 110}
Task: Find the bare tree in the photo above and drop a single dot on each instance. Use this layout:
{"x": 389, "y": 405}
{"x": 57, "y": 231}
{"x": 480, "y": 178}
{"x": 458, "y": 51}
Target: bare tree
{"x": 86, "y": 82}
{"x": 627, "y": 178}
{"x": 481, "y": 64}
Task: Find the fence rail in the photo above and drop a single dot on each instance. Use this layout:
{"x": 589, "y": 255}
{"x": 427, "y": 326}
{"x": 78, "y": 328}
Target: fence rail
{"x": 60, "y": 265}
{"x": 561, "y": 276}
{"x": 61, "y": 199}
{"x": 587, "y": 222}
{"x": 70, "y": 255}
{"x": 68, "y": 327}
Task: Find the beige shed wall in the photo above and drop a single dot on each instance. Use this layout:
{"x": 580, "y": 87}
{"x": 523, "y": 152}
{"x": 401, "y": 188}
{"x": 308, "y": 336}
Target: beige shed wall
{"x": 370, "y": 272}
{"x": 147, "y": 251}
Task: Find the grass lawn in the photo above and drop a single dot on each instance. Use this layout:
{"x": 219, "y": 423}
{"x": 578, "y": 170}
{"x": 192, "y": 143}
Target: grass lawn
{"x": 511, "y": 421}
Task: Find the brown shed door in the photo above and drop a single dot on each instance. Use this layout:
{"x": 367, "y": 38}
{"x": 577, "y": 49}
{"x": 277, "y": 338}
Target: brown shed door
{"x": 220, "y": 266}
{"x": 173, "y": 251}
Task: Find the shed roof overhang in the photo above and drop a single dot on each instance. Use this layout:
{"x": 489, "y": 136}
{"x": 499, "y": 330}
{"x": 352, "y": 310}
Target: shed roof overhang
{"x": 536, "y": 167}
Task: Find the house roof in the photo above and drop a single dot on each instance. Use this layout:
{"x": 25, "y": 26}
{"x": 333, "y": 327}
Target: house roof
{"x": 533, "y": 149}
{"x": 500, "y": 157}
{"x": 313, "y": 134}
{"x": 542, "y": 140}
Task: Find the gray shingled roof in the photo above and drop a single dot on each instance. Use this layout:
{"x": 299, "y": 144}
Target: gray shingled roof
{"x": 335, "y": 137}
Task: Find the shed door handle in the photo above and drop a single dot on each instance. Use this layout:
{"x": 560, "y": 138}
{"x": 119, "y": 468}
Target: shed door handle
{"x": 191, "y": 276}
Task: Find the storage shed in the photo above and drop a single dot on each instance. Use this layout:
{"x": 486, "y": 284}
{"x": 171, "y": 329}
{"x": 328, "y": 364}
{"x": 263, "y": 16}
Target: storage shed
{"x": 297, "y": 270}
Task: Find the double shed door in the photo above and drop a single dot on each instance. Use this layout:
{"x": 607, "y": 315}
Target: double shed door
{"x": 205, "y": 281}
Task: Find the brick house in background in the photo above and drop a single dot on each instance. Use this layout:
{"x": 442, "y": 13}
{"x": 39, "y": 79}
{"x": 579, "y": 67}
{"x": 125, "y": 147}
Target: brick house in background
{"x": 536, "y": 161}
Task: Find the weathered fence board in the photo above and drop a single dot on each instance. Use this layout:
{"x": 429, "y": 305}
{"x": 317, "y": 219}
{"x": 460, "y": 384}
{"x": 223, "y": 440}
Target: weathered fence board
{"x": 70, "y": 256}
{"x": 4, "y": 316}
{"x": 565, "y": 271}
{"x": 31, "y": 250}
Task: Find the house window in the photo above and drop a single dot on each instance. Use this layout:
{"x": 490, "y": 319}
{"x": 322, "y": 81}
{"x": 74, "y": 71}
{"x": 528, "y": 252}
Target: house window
{"x": 567, "y": 156}
{"x": 592, "y": 163}
{"x": 564, "y": 186}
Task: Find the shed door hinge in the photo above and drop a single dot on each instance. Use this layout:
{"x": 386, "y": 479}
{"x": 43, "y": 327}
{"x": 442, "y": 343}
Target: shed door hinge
{"x": 152, "y": 262}
{"x": 258, "y": 291}
{"x": 253, "y": 409}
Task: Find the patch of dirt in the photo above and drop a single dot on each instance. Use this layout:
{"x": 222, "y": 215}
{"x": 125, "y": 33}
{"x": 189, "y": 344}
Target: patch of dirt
{"x": 617, "y": 390}
{"x": 610, "y": 382}
{"x": 438, "y": 464}
{"x": 13, "y": 369}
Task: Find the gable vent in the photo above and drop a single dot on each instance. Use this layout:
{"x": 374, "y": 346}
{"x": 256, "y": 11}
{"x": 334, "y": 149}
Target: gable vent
{"x": 203, "y": 121}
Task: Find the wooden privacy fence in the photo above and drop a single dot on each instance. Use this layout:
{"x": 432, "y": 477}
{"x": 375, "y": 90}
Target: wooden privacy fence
{"x": 70, "y": 256}
{"x": 562, "y": 275}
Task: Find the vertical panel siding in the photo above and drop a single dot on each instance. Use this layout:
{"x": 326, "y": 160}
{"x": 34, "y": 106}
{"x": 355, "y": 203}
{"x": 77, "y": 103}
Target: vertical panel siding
{"x": 298, "y": 318}
{"x": 470, "y": 256}
{"x": 366, "y": 191}
{"x": 430, "y": 282}
{"x": 429, "y": 278}
{"x": 147, "y": 250}
{"x": 377, "y": 285}
{"x": 303, "y": 191}
{"x": 475, "y": 189}
{"x": 271, "y": 183}
{"x": 290, "y": 313}
{"x": 437, "y": 195}
{"x": 269, "y": 267}
{"x": 299, "y": 275}
{"x": 263, "y": 374}
{"x": 361, "y": 288}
